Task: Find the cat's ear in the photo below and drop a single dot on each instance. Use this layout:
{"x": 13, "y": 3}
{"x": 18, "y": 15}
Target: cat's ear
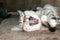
{"x": 19, "y": 11}
{"x": 39, "y": 8}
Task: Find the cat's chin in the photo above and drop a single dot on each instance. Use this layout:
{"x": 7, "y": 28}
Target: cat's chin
{"x": 52, "y": 29}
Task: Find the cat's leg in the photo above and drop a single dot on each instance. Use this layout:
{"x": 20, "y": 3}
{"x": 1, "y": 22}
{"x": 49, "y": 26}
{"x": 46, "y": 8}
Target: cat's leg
{"x": 19, "y": 27}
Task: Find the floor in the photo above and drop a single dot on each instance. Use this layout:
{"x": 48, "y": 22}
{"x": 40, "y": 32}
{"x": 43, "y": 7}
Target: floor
{"x": 7, "y": 34}
{"x": 30, "y": 36}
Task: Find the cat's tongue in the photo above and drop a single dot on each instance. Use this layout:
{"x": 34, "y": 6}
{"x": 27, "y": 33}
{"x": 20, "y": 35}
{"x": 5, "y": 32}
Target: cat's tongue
{"x": 33, "y": 21}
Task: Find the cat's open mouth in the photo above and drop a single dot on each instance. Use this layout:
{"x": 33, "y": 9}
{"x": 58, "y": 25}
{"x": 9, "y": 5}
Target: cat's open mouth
{"x": 33, "y": 21}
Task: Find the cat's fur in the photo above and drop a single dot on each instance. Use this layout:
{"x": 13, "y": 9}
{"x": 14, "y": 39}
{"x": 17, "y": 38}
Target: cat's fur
{"x": 44, "y": 15}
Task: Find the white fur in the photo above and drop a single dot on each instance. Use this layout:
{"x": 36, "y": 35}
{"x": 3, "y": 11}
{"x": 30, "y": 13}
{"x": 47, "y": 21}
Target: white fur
{"x": 41, "y": 15}
{"x": 52, "y": 23}
{"x": 21, "y": 17}
{"x": 44, "y": 18}
{"x": 29, "y": 28}
{"x": 49, "y": 8}
{"x": 25, "y": 25}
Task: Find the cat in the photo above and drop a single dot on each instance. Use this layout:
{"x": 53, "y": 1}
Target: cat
{"x": 43, "y": 19}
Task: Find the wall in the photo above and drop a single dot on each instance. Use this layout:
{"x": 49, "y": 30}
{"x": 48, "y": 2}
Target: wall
{"x": 13, "y": 5}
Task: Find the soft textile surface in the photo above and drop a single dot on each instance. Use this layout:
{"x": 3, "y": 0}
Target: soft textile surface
{"x": 9, "y": 24}
{"x": 30, "y": 36}
{"x": 7, "y": 34}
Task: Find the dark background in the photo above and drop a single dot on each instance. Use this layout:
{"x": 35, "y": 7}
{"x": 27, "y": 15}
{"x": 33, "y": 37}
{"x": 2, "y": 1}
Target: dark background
{"x": 13, "y": 5}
